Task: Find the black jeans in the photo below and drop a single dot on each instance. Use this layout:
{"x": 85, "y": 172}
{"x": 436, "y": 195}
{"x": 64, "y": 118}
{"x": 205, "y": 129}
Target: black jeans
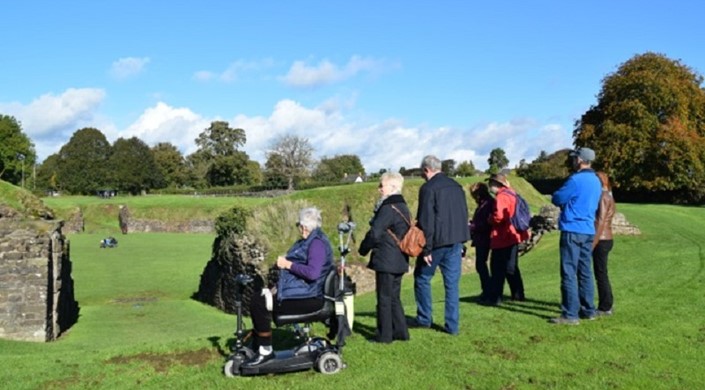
{"x": 262, "y": 318}
{"x": 391, "y": 321}
{"x": 604, "y": 289}
{"x": 505, "y": 264}
{"x": 482, "y": 253}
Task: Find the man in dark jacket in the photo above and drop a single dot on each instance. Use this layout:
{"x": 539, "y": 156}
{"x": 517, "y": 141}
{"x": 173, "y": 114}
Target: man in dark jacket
{"x": 443, "y": 217}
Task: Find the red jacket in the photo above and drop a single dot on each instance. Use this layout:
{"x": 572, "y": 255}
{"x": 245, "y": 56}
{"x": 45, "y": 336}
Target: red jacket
{"x": 503, "y": 233}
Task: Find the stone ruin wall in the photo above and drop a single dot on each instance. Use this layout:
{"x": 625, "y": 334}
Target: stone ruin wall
{"x": 36, "y": 289}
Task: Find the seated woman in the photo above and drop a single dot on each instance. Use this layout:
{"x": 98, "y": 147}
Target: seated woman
{"x": 302, "y": 278}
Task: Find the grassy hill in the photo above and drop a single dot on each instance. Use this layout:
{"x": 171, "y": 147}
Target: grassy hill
{"x": 274, "y": 217}
{"x": 139, "y": 328}
{"x": 23, "y": 201}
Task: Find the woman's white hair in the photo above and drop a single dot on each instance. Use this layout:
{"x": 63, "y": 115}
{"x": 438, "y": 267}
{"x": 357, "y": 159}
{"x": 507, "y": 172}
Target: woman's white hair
{"x": 310, "y": 218}
{"x": 394, "y": 179}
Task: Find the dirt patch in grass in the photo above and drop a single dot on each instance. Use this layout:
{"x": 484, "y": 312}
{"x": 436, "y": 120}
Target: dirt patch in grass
{"x": 162, "y": 362}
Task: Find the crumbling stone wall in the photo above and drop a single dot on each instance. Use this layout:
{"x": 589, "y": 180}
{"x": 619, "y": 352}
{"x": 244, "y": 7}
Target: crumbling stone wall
{"x": 232, "y": 255}
{"x": 36, "y": 289}
{"x": 620, "y": 225}
{"x": 129, "y": 224}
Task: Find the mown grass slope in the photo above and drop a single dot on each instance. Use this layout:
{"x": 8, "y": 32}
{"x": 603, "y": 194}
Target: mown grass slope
{"x": 139, "y": 328}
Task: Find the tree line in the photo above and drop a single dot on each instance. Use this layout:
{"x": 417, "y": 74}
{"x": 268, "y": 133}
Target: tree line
{"x": 647, "y": 128}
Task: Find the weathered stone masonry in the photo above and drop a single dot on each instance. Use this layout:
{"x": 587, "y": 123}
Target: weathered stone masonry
{"x": 36, "y": 289}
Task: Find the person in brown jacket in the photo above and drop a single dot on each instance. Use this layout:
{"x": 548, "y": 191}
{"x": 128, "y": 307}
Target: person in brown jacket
{"x": 602, "y": 245}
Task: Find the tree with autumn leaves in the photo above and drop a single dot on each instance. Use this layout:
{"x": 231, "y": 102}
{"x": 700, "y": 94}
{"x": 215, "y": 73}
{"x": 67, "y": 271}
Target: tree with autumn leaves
{"x": 648, "y": 129}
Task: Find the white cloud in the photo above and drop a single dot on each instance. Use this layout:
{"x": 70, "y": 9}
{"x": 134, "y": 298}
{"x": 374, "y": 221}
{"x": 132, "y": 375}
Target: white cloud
{"x": 331, "y": 129}
{"x": 391, "y": 144}
{"x": 128, "y": 67}
{"x": 302, "y": 75}
{"x": 49, "y": 120}
{"x": 163, "y": 123}
{"x": 234, "y": 71}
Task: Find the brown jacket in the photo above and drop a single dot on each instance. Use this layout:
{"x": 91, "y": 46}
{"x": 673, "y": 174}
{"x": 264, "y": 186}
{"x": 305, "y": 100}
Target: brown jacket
{"x": 603, "y": 219}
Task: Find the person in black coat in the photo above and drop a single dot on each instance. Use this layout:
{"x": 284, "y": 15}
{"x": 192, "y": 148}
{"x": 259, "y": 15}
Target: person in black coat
{"x": 443, "y": 217}
{"x": 389, "y": 224}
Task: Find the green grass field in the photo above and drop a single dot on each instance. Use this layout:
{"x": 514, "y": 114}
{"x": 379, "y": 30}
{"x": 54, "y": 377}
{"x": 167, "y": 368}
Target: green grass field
{"x": 138, "y": 326}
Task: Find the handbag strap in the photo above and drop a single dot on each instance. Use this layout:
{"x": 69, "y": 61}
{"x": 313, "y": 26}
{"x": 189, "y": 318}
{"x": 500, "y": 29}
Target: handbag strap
{"x": 402, "y": 215}
{"x": 394, "y": 236}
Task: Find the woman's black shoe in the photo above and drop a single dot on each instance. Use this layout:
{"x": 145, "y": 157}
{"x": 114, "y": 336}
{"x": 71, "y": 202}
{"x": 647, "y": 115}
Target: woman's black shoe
{"x": 258, "y": 359}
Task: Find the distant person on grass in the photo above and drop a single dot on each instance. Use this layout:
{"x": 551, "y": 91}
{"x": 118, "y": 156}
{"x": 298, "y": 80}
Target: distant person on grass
{"x": 602, "y": 245}
{"x": 480, "y": 235}
{"x": 391, "y": 217}
{"x": 504, "y": 241}
{"x": 299, "y": 290}
{"x": 578, "y": 199}
{"x": 443, "y": 217}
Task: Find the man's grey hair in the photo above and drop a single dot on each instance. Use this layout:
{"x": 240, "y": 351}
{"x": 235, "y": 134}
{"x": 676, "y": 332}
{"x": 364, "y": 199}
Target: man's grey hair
{"x": 310, "y": 218}
{"x": 394, "y": 179}
{"x": 431, "y": 162}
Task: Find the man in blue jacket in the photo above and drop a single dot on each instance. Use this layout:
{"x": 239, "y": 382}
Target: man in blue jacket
{"x": 578, "y": 199}
{"x": 443, "y": 217}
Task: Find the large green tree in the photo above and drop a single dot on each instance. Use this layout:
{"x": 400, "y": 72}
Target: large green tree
{"x": 296, "y": 157}
{"x": 48, "y": 173}
{"x": 219, "y": 139}
{"x": 218, "y": 156}
{"x": 333, "y": 169}
{"x": 648, "y": 128}
{"x": 497, "y": 161}
{"x": 171, "y": 164}
{"x": 132, "y": 166}
{"x": 231, "y": 169}
{"x": 545, "y": 166}
{"x": 448, "y": 167}
{"x": 465, "y": 169}
{"x": 83, "y": 162}
{"x": 17, "y": 155}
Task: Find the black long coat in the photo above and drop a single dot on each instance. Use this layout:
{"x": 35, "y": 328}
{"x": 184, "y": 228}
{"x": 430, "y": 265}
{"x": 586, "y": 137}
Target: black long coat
{"x": 386, "y": 255}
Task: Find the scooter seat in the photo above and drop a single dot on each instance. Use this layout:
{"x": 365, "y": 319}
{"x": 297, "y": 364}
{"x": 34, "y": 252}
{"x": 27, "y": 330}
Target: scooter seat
{"x": 320, "y": 315}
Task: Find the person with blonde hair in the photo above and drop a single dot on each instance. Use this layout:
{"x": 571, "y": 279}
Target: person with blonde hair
{"x": 602, "y": 245}
{"x": 389, "y": 223}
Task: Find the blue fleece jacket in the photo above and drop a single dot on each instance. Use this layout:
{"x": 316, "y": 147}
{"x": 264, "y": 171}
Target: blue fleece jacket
{"x": 578, "y": 199}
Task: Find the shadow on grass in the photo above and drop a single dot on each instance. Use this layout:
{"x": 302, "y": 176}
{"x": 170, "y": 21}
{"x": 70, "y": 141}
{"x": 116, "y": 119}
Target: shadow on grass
{"x": 534, "y": 307}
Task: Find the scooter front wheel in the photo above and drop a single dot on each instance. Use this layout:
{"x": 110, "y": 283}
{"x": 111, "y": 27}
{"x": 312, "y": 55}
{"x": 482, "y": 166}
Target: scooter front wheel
{"x": 232, "y": 366}
{"x": 329, "y": 363}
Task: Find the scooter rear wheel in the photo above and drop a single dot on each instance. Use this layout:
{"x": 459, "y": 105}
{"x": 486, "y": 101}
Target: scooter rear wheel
{"x": 329, "y": 363}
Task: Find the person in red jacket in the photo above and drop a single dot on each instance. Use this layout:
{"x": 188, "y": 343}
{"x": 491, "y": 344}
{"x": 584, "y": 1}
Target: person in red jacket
{"x": 504, "y": 240}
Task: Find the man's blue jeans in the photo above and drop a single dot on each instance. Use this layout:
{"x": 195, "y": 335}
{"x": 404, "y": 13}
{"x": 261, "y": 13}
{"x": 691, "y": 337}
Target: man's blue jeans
{"x": 577, "y": 288}
{"x": 449, "y": 259}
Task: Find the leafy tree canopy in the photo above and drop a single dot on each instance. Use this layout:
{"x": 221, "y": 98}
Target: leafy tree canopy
{"x": 16, "y": 150}
{"x": 220, "y": 139}
{"x": 171, "y": 164}
{"x": 545, "y": 166}
{"x": 334, "y": 169}
{"x": 132, "y": 166}
{"x": 498, "y": 160}
{"x": 83, "y": 162}
{"x": 448, "y": 167}
{"x": 648, "y": 128}
{"x": 465, "y": 169}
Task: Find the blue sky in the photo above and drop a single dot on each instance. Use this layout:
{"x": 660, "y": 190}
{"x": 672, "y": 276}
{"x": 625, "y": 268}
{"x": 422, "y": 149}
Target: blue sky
{"x": 389, "y": 81}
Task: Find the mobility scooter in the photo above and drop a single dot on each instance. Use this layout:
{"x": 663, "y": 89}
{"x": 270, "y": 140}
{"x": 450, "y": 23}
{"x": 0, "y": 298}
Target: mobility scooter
{"x": 314, "y": 352}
